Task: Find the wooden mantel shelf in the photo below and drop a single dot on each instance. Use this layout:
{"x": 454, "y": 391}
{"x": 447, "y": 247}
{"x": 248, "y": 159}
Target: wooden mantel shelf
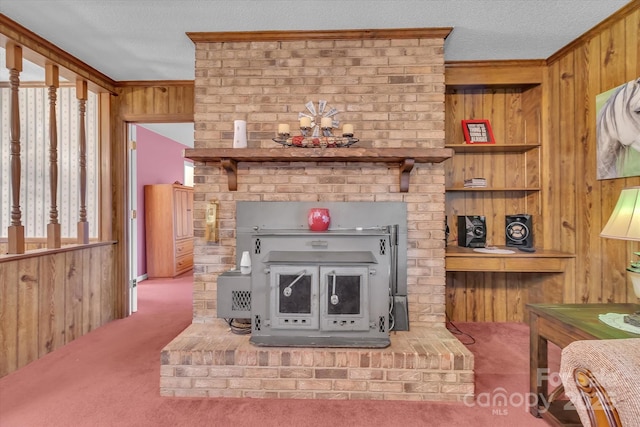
{"x": 404, "y": 157}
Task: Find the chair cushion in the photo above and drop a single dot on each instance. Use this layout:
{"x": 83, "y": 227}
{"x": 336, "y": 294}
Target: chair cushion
{"x": 616, "y": 366}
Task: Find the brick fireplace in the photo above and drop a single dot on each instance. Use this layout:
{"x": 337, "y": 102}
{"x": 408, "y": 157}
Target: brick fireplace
{"x": 390, "y": 85}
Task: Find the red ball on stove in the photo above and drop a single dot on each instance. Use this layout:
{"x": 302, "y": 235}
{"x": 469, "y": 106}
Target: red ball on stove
{"x": 319, "y": 219}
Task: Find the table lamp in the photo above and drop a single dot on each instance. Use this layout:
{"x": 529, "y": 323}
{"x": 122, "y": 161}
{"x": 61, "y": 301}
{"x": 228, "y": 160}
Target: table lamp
{"x": 624, "y": 224}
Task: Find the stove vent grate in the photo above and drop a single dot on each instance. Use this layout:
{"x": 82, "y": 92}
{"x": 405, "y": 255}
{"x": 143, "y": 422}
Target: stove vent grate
{"x": 241, "y": 300}
{"x": 383, "y": 246}
{"x": 257, "y": 323}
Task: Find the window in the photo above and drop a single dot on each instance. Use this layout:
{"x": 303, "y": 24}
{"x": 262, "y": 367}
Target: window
{"x": 35, "y": 197}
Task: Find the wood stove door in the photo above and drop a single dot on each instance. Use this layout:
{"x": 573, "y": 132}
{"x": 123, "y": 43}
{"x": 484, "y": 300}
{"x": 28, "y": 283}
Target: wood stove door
{"x": 294, "y": 297}
{"x": 344, "y": 298}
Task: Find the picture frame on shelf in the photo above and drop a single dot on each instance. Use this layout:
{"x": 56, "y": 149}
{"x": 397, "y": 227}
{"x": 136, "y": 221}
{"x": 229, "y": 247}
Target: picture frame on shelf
{"x": 477, "y": 132}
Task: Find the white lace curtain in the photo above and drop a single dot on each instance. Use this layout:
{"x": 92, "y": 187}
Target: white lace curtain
{"x": 35, "y": 197}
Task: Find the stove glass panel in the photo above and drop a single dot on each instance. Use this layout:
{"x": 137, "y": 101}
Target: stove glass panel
{"x": 345, "y": 306}
{"x": 294, "y": 297}
{"x": 343, "y": 294}
{"x": 295, "y": 293}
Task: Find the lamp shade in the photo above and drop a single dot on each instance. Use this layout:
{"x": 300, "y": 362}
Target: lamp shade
{"x": 624, "y": 222}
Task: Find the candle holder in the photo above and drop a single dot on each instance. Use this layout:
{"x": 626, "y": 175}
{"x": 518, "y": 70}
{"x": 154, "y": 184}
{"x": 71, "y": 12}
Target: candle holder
{"x": 316, "y": 141}
{"x": 316, "y": 129}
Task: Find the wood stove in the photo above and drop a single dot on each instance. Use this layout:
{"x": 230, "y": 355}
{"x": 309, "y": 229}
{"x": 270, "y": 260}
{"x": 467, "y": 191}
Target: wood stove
{"x": 344, "y": 287}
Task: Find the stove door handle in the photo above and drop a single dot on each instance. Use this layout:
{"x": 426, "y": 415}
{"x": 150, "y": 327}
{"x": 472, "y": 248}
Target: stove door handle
{"x": 319, "y": 244}
{"x": 334, "y": 298}
{"x": 287, "y": 291}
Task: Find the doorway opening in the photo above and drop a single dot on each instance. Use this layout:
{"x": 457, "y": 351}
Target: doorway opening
{"x": 154, "y": 157}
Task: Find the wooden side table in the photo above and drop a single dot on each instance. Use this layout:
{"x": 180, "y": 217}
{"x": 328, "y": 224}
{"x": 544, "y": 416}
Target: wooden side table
{"x": 563, "y": 324}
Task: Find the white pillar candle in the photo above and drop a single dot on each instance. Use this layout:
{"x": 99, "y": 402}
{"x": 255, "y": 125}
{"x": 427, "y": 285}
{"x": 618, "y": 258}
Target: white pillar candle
{"x": 347, "y": 129}
{"x": 326, "y": 122}
{"x": 283, "y": 128}
{"x": 305, "y": 122}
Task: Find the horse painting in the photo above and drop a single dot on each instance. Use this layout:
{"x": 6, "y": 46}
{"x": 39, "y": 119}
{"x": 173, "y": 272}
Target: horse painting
{"x": 618, "y": 131}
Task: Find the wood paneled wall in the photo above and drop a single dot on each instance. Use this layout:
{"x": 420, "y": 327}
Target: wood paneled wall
{"x": 572, "y": 206}
{"x": 576, "y": 204}
{"x": 49, "y": 300}
{"x": 157, "y": 101}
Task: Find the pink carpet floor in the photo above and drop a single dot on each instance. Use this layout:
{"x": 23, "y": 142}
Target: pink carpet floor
{"x": 110, "y": 377}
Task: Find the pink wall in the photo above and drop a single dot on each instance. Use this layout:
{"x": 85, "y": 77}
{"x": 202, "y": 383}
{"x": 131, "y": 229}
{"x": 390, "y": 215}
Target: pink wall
{"x": 160, "y": 161}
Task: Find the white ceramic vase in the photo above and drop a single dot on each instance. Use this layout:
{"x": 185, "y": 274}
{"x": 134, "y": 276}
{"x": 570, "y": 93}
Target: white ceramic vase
{"x": 239, "y": 134}
{"x": 245, "y": 263}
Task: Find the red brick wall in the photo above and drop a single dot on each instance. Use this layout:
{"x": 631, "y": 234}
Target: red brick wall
{"x": 392, "y": 91}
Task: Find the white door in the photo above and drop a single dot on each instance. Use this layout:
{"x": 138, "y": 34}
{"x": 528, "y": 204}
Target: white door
{"x": 132, "y": 232}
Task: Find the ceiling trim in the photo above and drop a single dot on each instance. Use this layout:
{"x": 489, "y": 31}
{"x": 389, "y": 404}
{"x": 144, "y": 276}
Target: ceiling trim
{"x": 296, "y": 35}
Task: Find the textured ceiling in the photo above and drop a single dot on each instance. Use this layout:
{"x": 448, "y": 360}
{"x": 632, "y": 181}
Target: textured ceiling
{"x": 146, "y": 40}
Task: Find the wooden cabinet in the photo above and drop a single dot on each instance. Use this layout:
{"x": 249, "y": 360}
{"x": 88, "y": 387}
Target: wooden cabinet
{"x": 168, "y": 229}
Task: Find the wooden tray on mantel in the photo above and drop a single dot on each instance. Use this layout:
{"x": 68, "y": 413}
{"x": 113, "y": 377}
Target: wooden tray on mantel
{"x": 405, "y": 157}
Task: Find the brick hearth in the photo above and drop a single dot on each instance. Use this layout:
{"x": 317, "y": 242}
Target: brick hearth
{"x": 207, "y": 360}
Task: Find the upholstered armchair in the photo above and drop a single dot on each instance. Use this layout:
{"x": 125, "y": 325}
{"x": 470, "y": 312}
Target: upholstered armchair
{"x": 602, "y": 380}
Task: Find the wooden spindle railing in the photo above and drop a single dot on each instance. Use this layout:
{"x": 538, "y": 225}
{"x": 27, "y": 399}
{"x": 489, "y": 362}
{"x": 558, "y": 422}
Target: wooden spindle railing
{"x": 16, "y": 229}
{"x": 82, "y": 96}
{"x": 52, "y": 81}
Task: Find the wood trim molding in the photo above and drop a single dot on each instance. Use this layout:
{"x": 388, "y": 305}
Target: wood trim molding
{"x": 106, "y": 137}
{"x": 498, "y": 72}
{"x": 158, "y": 118}
{"x": 294, "y": 35}
{"x": 154, "y": 83}
{"x": 40, "y": 52}
{"x": 43, "y": 252}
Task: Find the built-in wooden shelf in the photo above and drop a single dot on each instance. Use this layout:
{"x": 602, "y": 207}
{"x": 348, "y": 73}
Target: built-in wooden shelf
{"x": 492, "y": 148}
{"x": 525, "y": 189}
{"x": 540, "y": 261}
{"x": 404, "y": 157}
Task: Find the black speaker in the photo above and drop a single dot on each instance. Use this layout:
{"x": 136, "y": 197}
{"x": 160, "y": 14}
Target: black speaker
{"x": 472, "y": 231}
{"x": 446, "y": 232}
{"x": 519, "y": 230}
